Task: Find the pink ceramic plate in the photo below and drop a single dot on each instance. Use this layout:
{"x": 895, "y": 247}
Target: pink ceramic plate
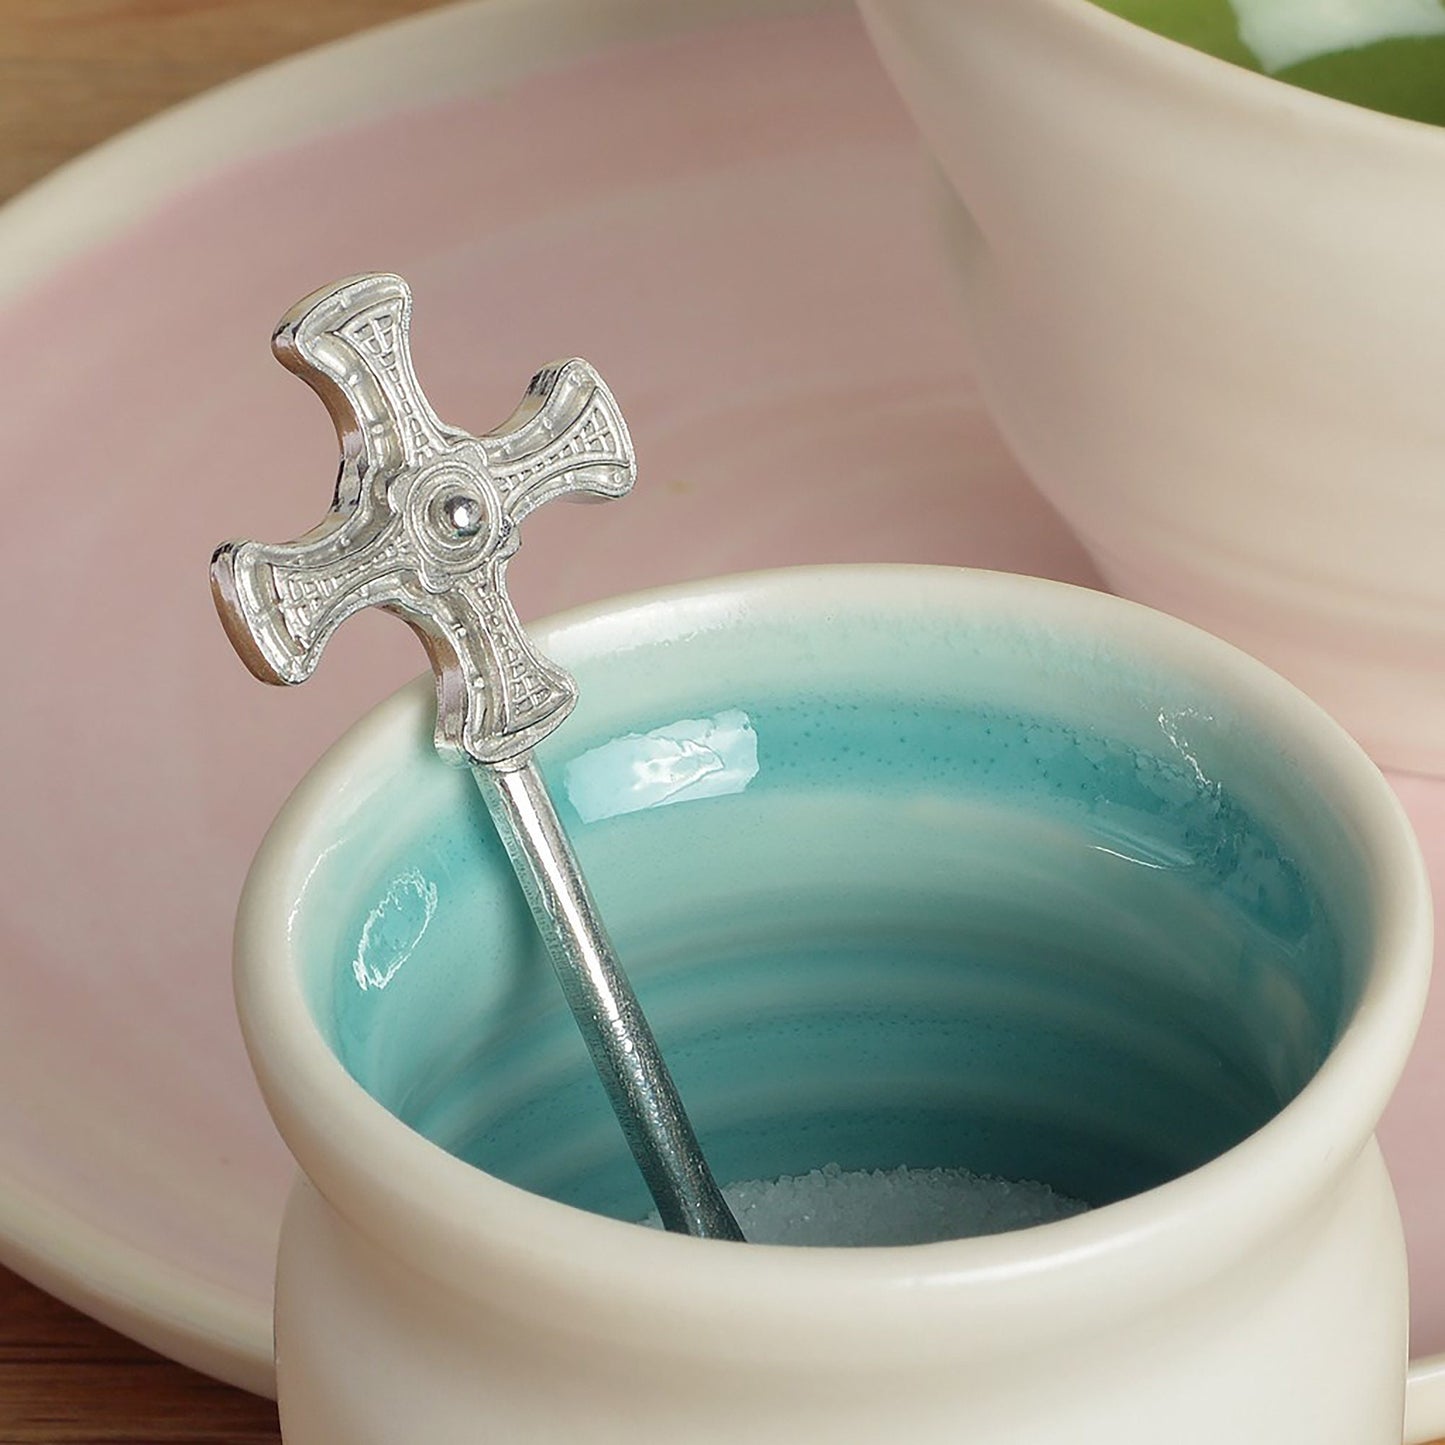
{"x": 724, "y": 213}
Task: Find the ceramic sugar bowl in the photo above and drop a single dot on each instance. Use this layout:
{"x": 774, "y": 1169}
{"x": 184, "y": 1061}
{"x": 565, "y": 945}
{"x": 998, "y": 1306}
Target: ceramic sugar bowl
{"x": 909, "y": 866}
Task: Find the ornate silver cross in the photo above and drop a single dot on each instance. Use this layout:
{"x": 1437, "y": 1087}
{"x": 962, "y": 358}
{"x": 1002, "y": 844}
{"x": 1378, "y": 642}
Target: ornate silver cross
{"x": 423, "y": 523}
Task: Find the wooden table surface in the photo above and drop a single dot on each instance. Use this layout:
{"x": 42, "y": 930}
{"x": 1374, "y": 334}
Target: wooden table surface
{"x": 73, "y": 72}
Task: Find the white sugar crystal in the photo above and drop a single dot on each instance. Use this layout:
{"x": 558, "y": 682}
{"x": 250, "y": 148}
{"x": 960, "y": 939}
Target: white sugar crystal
{"x": 835, "y": 1206}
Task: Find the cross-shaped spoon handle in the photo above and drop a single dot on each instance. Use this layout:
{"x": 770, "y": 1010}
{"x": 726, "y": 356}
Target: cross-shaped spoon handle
{"x": 423, "y": 524}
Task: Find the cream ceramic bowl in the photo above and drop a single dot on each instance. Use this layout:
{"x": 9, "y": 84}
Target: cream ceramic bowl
{"x": 1206, "y": 311}
{"x": 910, "y": 865}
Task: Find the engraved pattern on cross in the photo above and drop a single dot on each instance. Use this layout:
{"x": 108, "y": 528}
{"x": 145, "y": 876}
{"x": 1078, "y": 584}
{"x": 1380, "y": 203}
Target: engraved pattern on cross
{"x": 423, "y": 522}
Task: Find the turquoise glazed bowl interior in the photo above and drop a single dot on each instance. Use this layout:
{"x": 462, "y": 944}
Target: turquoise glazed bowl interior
{"x": 901, "y": 877}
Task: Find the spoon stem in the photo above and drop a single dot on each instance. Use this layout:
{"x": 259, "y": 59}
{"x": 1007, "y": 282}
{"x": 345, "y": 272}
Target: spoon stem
{"x": 618, "y": 1036}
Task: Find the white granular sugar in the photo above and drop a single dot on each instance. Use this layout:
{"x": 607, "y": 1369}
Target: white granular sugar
{"x": 835, "y": 1206}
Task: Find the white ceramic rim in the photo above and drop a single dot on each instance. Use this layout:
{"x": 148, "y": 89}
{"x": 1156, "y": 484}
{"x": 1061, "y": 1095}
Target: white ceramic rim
{"x": 395, "y": 1185}
{"x": 1120, "y": 39}
{"x": 465, "y": 49}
